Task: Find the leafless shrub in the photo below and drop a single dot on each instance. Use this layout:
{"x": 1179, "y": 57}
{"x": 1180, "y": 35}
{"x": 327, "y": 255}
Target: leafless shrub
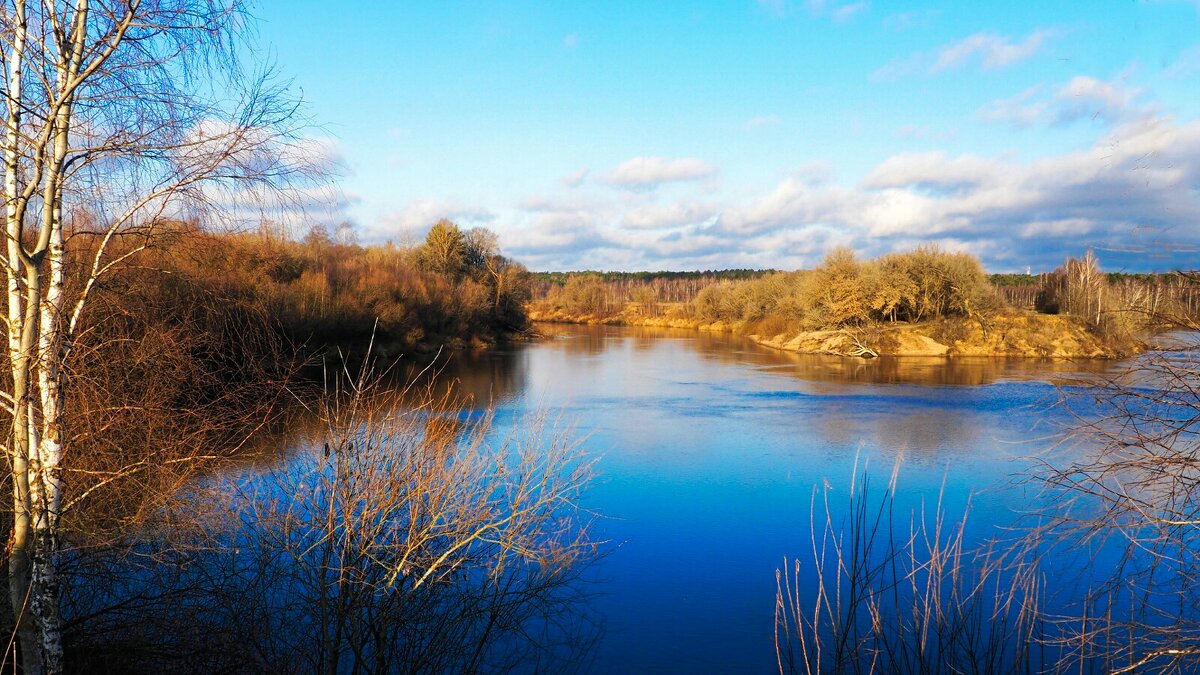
{"x": 1126, "y": 491}
{"x": 401, "y": 536}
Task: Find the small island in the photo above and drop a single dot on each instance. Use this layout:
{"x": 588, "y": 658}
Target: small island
{"x": 924, "y": 302}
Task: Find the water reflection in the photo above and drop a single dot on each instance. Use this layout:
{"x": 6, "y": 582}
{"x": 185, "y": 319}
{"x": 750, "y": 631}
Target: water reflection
{"x": 478, "y": 378}
{"x": 726, "y": 348}
{"x": 710, "y": 447}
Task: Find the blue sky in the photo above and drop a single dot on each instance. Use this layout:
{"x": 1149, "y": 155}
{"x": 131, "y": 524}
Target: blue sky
{"x": 760, "y": 133}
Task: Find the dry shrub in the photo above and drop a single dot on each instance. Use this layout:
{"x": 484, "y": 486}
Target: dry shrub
{"x": 1124, "y": 492}
{"x": 402, "y": 535}
{"x": 167, "y": 377}
{"x": 881, "y": 596}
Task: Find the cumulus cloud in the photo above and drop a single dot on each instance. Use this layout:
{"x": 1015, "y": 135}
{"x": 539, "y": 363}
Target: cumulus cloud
{"x": 1134, "y": 191}
{"x": 1086, "y": 97}
{"x": 650, "y": 172}
{"x": 1024, "y": 109}
{"x": 416, "y": 217}
{"x": 558, "y": 240}
{"x": 931, "y": 172}
{"x": 658, "y": 216}
{"x": 1082, "y": 98}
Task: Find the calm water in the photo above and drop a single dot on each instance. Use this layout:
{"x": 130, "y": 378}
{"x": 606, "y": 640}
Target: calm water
{"x": 710, "y": 448}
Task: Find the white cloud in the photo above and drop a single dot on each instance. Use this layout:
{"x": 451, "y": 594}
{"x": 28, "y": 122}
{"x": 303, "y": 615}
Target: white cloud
{"x": 412, "y": 220}
{"x": 575, "y": 179}
{"x": 838, "y": 12}
{"x": 1186, "y": 65}
{"x": 650, "y": 172}
{"x": 907, "y": 20}
{"x": 932, "y": 171}
{"x": 846, "y": 12}
{"x": 658, "y": 216}
{"x": 993, "y": 51}
{"x": 557, "y": 240}
{"x": 990, "y": 51}
{"x": 1024, "y": 109}
{"x": 1086, "y": 97}
{"x": 1136, "y": 187}
{"x": 1063, "y": 227}
{"x": 760, "y": 121}
{"x": 899, "y": 68}
{"x": 1082, "y": 98}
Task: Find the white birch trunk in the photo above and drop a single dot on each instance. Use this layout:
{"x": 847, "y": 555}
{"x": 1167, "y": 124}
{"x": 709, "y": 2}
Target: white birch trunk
{"x": 49, "y": 440}
{"x": 65, "y": 45}
{"x": 19, "y": 357}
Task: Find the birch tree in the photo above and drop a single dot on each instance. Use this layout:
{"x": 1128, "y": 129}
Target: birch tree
{"x": 135, "y": 112}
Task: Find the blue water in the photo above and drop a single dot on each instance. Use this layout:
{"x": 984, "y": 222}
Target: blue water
{"x": 709, "y": 450}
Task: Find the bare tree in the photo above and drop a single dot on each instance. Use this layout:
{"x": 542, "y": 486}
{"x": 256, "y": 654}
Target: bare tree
{"x": 135, "y": 111}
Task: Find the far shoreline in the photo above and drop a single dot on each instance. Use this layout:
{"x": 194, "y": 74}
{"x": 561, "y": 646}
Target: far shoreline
{"x": 1016, "y": 334}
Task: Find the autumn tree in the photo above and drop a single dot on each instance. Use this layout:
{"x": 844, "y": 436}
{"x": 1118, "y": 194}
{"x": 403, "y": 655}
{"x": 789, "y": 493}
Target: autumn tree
{"x": 892, "y": 289}
{"x": 445, "y": 249}
{"x": 838, "y": 290}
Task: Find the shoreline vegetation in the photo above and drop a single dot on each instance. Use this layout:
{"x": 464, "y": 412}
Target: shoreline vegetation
{"x": 322, "y": 294}
{"x": 926, "y": 302}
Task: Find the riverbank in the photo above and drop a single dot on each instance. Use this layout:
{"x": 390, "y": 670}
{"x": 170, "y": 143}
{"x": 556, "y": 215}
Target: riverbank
{"x": 1012, "y": 334}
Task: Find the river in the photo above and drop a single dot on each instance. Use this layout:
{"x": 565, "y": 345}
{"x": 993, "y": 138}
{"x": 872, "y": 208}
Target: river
{"x": 709, "y": 450}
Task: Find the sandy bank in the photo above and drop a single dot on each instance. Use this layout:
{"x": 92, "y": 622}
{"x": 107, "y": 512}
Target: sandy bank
{"x": 1016, "y": 334}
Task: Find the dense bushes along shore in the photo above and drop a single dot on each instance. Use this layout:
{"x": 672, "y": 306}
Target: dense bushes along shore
{"x": 882, "y": 298}
{"x": 455, "y": 289}
{"x": 196, "y": 339}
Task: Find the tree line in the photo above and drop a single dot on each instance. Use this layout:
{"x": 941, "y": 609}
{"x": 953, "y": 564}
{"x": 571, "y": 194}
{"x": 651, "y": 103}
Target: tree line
{"x": 454, "y": 289}
{"x": 924, "y": 284}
